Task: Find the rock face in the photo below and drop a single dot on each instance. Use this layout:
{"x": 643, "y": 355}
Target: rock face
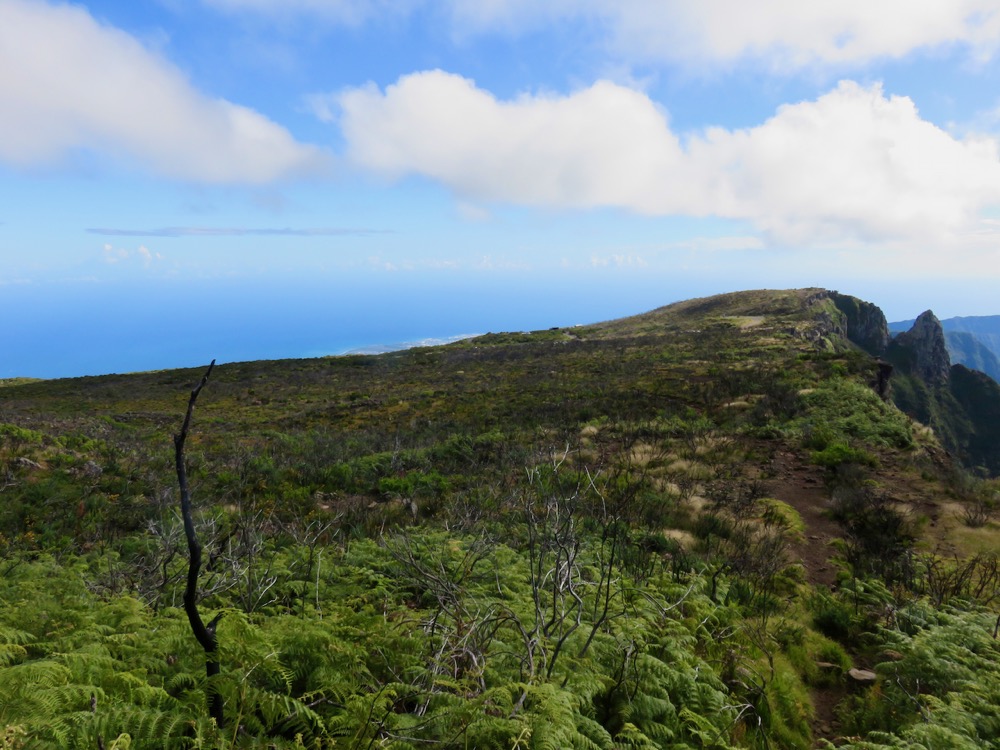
{"x": 925, "y": 349}
{"x": 914, "y": 372}
{"x": 866, "y": 325}
{"x": 961, "y": 405}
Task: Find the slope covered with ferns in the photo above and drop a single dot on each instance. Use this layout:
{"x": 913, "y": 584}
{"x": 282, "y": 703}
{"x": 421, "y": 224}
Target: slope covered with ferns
{"x": 682, "y": 529}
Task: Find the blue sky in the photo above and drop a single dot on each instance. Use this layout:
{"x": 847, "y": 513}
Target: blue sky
{"x": 182, "y": 180}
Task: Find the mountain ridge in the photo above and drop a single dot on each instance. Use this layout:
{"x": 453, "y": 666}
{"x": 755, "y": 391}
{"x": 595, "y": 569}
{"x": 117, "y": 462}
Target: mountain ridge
{"x": 522, "y": 539}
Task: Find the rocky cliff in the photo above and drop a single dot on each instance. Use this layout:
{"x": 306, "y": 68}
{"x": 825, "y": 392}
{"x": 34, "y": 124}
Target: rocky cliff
{"x": 922, "y": 350}
{"x": 961, "y": 405}
{"x": 864, "y": 323}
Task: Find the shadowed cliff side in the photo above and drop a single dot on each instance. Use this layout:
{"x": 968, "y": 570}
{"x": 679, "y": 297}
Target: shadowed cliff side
{"x": 966, "y": 349}
{"x": 961, "y": 405}
{"x": 864, "y": 323}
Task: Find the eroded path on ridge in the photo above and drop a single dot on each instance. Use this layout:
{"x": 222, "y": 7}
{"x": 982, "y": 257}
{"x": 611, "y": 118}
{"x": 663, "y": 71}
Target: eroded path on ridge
{"x": 801, "y": 485}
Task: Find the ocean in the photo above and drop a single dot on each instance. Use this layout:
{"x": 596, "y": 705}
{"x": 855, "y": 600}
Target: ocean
{"x": 73, "y": 329}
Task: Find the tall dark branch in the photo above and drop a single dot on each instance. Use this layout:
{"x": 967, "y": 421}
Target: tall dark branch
{"x": 205, "y": 634}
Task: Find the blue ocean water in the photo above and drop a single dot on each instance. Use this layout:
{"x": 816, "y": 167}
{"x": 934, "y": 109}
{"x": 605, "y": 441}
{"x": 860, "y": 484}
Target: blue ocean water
{"x": 66, "y": 330}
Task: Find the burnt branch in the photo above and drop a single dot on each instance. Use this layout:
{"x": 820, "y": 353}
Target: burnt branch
{"x": 205, "y": 634}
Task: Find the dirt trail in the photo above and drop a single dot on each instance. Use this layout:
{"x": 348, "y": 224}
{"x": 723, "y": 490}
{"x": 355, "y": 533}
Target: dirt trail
{"x": 801, "y": 485}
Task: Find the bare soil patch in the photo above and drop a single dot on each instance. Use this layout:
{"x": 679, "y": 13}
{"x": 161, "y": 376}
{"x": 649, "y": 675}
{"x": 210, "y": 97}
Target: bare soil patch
{"x": 801, "y": 485}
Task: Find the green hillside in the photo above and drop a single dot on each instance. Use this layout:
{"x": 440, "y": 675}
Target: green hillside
{"x": 701, "y": 527}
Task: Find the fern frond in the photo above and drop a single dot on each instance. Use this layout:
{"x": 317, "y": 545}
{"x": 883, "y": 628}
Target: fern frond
{"x": 11, "y": 652}
{"x": 282, "y": 714}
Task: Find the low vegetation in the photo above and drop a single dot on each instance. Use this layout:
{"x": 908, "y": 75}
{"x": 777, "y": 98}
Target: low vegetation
{"x": 699, "y": 528}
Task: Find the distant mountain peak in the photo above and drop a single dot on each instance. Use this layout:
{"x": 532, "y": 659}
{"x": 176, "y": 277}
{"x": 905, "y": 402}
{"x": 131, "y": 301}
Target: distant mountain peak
{"x": 973, "y": 341}
{"x": 925, "y": 349}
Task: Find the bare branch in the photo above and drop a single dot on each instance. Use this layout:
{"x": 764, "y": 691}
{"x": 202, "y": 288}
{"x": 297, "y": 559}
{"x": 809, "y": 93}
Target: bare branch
{"x": 205, "y": 635}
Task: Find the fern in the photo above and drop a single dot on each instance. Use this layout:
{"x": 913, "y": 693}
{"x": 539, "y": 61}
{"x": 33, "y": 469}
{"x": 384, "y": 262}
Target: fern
{"x": 945, "y": 691}
{"x": 32, "y": 691}
{"x": 12, "y": 645}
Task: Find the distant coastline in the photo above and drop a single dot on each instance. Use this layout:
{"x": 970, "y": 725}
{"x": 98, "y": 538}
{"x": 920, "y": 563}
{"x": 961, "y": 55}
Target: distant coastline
{"x": 402, "y": 345}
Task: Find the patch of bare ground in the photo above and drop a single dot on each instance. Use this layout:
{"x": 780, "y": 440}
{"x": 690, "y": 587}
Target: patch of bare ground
{"x": 826, "y": 725}
{"x": 801, "y": 485}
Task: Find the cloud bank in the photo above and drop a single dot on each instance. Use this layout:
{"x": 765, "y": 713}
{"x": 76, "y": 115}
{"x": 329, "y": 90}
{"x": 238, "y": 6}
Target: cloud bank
{"x": 854, "y": 163}
{"x": 783, "y": 35}
{"x": 68, "y": 82}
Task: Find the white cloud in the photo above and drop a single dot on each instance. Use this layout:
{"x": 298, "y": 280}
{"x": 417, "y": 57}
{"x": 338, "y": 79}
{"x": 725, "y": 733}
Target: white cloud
{"x": 115, "y": 255}
{"x": 602, "y": 146}
{"x": 513, "y": 16}
{"x": 618, "y": 260}
{"x": 383, "y": 265}
{"x": 853, "y": 164}
{"x": 782, "y": 34}
{"x": 68, "y": 82}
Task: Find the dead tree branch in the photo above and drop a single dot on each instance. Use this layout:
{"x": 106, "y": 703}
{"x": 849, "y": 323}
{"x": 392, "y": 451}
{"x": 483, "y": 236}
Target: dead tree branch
{"x": 205, "y": 634}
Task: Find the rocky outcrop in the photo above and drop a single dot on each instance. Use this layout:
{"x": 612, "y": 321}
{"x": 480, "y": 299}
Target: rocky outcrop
{"x": 864, "y": 323}
{"x": 914, "y": 372}
{"x": 923, "y": 351}
{"x": 881, "y": 382}
{"x": 862, "y": 676}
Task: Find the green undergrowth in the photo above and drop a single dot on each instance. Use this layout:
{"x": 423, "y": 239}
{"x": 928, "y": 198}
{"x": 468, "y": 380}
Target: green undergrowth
{"x": 842, "y": 415}
{"x": 568, "y": 538}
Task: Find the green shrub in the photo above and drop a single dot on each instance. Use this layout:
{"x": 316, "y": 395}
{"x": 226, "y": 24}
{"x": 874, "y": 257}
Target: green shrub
{"x": 833, "y": 617}
{"x": 839, "y": 453}
{"x": 847, "y": 411}
{"x": 15, "y": 436}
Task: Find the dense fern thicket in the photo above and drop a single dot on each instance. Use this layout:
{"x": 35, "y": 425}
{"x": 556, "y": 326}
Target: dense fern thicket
{"x": 598, "y": 537}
